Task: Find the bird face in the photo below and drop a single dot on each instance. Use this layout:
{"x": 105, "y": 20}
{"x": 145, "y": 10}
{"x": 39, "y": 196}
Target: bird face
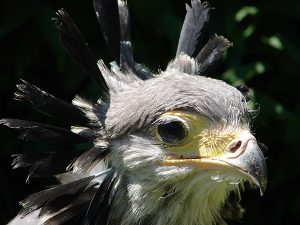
{"x": 195, "y": 141}
{"x": 198, "y": 148}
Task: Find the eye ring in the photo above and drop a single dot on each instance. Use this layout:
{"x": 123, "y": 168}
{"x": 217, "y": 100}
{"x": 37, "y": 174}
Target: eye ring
{"x": 171, "y": 130}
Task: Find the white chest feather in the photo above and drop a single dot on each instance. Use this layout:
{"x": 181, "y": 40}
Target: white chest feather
{"x": 195, "y": 200}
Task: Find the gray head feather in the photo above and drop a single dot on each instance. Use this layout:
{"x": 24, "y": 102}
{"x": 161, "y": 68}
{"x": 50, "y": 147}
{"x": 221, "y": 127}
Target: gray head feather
{"x": 140, "y": 102}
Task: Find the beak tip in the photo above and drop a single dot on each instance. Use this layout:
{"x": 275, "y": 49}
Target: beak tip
{"x": 257, "y": 167}
{"x": 252, "y": 163}
{"x": 262, "y": 189}
{"x": 262, "y": 184}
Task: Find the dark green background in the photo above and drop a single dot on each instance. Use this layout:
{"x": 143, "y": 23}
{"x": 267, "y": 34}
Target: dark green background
{"x": 266, "y": 56}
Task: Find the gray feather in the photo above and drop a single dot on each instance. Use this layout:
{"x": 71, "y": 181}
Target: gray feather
{"x": 193, "y": 29}
{"x": 173, "y": 90}
{"x": 212, "y": 53}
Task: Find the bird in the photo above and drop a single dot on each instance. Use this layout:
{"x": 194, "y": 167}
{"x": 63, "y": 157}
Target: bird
{"x": 174, "y": 147}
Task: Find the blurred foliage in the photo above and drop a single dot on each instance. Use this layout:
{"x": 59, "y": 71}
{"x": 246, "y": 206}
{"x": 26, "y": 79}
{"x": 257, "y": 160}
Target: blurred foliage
{"x": 265, "y": 56}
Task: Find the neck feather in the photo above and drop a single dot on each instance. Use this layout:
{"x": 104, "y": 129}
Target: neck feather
{"x": 192, "y": 200}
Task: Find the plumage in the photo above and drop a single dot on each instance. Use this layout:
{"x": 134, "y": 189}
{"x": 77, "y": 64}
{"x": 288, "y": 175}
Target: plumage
{"x": 126, "y": 57}
{"x": 124, "y": 19}
{"x": 114, "y": 20}
{"x": 43, "y": 132}
{"x": 108, "y": 17}
{"x": 127, "y": 62}
{"x": 99, "y": 207}
{"x": 77, "y": 47}
{"x": 168, "y": 148}
{"x": 193, "y": 28}
{"x": 50, "y": 105}
{"x": 44, "y": 164}
{"x": 74, "y": 212}
{"x": 89, "y": 159}
{"x": 49, "y": 196}
{"x": 212, "y": 53}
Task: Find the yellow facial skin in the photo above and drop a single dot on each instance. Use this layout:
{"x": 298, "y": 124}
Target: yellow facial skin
{"x": 208, "y": 147}
{"x": 202, "y": 140}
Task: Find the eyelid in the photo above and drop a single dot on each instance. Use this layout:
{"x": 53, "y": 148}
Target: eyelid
{"x": 168, "y": 119}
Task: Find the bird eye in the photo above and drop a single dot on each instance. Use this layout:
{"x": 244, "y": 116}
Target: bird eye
{"x": 172, "y": 132}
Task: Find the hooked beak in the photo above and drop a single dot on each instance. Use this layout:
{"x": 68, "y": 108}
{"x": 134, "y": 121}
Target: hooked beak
{"x": 242, "y": 155}
{"x": 252, "y": 164}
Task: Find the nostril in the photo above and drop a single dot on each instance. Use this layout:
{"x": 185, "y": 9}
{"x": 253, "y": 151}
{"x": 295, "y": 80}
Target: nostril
{"x": 235, "y": 147}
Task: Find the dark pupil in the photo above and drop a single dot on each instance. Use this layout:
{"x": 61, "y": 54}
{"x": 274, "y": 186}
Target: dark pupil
{"x": 172, "y": 132}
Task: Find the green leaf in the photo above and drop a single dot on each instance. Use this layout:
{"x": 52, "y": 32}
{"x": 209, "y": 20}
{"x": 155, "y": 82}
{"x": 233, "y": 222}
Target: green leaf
{"x": 244, "y": 12}
{"x": 273, "y": 41}
{"x": 231, "y": 77}
{"x": 279, "y": 109}
{"x": 249, "y": 31}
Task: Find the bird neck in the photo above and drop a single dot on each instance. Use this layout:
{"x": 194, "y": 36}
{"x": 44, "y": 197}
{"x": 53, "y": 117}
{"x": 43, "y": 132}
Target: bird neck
{"x": 189, "y": 201}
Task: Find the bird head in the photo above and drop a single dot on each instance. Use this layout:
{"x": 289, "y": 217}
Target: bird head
{"x": 183, "y": 140}
{"x": 169, "y": 147}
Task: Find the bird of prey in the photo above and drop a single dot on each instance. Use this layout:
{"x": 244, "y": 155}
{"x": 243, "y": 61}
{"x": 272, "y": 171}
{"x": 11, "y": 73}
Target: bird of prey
{"x": 165, "y": 149}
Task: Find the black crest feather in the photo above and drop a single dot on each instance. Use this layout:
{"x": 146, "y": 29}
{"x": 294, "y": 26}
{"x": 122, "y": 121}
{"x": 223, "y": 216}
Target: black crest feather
{"x": 77, "y": 47}
{"x": 75, "y": 207}
{"x": 114, "y": 20}
{"x": 88, "y": 159}
{"x": 50, "y": 105}
{"x": 212, "y": 53}
{"x": 74, "y": 213}
{"x": 43, "y": 132}
{"x": 108, "y": 18}
{"x": 43, "y": 164}
{"x": 48, "y": 196}
{"x": 98, "y": 210}
{"x": 193, "y": 28}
